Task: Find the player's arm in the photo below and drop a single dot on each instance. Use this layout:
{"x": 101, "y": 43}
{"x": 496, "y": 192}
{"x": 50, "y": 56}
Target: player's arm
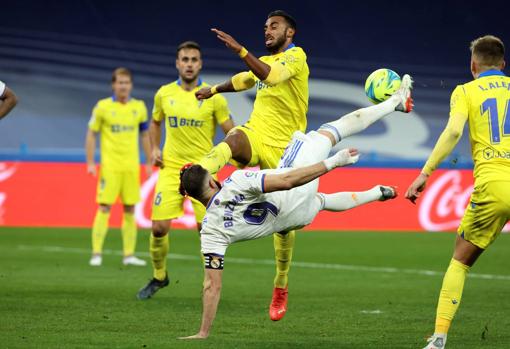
{"x": 444, "y": 145}
{"x": 240, "y": 82}
{"x": 155, "y": 141}
{"x": 90, "y": 149}
{"x": 271, "y": 74}
{"x": 303, "y": 175}
{"x": 227, "y": 126}
{"x": 146, "y": 146}
{"x": 210, "y": 300}
{"x": 259, "y": 68}
{"x": 9, "y": 101}
{"x": 94, "y": 128}
{"x": 155, "y": 132}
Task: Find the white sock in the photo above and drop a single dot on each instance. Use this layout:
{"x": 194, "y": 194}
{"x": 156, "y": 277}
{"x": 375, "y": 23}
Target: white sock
{"x": 360, "y": 119}
{"x": 343, "y": 201}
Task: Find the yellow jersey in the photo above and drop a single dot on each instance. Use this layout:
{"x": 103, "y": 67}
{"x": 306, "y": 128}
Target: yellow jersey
{"x": 486, "y": 104}
{"x": 280, "y": 110}
{"x": 190, "y": 124}
{"x": 119, "y": 125}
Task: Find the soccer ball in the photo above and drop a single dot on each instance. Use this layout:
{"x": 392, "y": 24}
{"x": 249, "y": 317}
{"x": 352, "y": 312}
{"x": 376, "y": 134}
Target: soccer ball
{"x": 381, "y": 84}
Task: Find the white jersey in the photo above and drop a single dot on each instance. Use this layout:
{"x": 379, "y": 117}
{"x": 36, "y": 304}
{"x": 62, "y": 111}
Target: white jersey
{"x": 241, "y": 210}
{"x": 2, "y": 88}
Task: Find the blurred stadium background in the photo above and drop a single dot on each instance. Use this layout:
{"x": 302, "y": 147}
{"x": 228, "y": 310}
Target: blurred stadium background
{"x": 58, "y": 57}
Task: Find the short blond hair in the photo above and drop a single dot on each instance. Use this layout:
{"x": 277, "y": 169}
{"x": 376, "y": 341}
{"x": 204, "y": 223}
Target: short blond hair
{"x": 121, "y": 71}
{"x": 488, "y": 50}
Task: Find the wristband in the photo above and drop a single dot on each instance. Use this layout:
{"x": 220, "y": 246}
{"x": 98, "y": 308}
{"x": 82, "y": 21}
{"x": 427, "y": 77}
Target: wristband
{"x": 214, "y": 89}
{"x": 330, "y": 163}
{"x": 243, "y": 53}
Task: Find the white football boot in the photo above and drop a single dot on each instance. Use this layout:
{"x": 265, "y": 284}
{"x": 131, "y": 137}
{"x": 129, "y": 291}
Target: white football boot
{"x": 96, "y": 260}
{"x": 406, "y": 104}
{"x": 436, "y": 342}
{"x": 132, "y": 260}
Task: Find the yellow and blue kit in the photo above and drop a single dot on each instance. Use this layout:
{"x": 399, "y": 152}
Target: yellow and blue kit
{"x": 119, "y": 125}
{"x": 280, "y": 108}
{"x": 485, "y": 104}
{"x": 190, "y": 125}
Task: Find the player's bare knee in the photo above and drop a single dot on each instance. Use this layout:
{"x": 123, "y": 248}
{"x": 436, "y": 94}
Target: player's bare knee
{"x": 239, "y": 145}
{"x": 104, "y": 208}
{"x": 160, "y": 228}
{"x": 129, "y": 209}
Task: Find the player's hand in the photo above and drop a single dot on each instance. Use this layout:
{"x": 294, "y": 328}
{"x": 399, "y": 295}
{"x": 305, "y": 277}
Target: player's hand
{"x": 196, "y": 336}
{"x": 91, "y": 169}
{"x": 148, "y": 169}
{"x": 204, "y": 93}
{"x": 229, "y": 41}
{"x": 415, "y": 189}
{"x": 346, "y": 156}
{"x": 157, "y": 159}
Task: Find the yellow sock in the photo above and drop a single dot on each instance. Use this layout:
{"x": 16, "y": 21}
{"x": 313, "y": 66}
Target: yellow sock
{"x": 99, "y": 230}
{"x": 216, "y": 158}
{"x": 128, "y": 234}
{"x": 283, "y": 247}
{"x": 159, "y": 251}
{"x": 450, "y": 295}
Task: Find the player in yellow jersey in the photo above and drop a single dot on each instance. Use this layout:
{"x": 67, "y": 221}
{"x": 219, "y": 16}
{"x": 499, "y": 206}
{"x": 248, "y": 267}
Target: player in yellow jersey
{"x": 8, "y": 100}
{"x": 485, "y": 104}
{"x": 190, "y": 125}
{"x": 121, "y": 121}
{"x": 280, "y": 108}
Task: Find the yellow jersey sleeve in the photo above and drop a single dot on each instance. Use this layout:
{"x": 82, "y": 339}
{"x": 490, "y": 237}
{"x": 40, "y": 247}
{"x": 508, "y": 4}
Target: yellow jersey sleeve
{"x": 96, "y": 120}
{"x": 221, "y": 112}
{"x": 157, "y": 111}
{"x": 294, "y": 60}
{"x": 458, "y": 102}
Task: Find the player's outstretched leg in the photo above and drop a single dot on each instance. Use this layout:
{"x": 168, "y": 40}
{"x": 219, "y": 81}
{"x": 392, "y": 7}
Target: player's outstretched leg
{"x": 343, "y": 201}
{"x": 360, "y": 119}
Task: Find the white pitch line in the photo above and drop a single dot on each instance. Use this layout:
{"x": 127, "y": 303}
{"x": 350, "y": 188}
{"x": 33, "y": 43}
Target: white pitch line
{"x": 309, "y": 265}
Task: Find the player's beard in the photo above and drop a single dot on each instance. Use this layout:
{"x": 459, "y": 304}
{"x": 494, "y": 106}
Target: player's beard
{"x": 278, "y": 43}
{"x": 190, "y": 80}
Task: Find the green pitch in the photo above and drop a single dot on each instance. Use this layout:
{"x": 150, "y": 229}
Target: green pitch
{"x": 347, "y": 290}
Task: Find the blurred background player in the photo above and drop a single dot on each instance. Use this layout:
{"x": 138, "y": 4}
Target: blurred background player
{"x": 484, "y": 104}
{"x": 190, "y": 125}
{"x": 120, "y": 120}
{"x": 279, "y": 110}
{"x": 8, "y": 100}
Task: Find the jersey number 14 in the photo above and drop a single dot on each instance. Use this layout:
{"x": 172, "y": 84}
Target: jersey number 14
{"x": 491, "y": 105}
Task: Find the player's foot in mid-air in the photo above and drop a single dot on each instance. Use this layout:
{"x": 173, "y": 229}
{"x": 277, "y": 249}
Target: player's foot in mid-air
{"x": 436, "y": 342}
{"x": 132, "y": 260}
{"x": 406, "y": 104}
{"x": 388, "y": 192}
{"x": 278, "y": 306}
{"x": 96, "y": 260}
{"x": 152, "y": 287}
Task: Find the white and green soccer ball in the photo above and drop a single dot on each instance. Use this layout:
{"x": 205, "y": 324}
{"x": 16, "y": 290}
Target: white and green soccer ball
{"x": 381, "y": 84}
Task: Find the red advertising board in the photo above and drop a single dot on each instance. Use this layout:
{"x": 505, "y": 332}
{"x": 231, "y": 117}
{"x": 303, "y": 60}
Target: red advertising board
{"x": 62, "y": 194}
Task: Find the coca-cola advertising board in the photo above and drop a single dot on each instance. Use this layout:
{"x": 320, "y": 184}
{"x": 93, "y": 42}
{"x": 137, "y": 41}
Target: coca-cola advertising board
{"x": 63, "y": 195}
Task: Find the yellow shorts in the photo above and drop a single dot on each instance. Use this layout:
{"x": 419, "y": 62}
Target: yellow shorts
{"x": 487, "y": 213}
{"x": 114, "y": 184}
{"x": 264, "y": 155}
{"x": 168, "y": 202}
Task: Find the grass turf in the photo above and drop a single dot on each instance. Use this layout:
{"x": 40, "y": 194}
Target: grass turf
{"x": 51, "y": 298}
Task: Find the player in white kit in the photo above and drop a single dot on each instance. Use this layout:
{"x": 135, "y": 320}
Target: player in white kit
{"x": 254, "y": 204}
{"x": 8, "y": 100}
